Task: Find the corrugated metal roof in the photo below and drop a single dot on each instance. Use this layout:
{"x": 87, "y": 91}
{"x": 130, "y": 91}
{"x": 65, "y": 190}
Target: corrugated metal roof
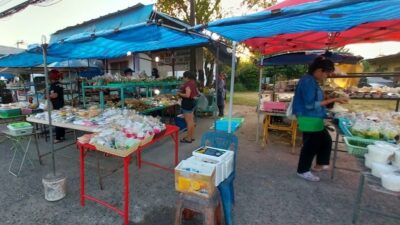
{"x": 6, "y": 50}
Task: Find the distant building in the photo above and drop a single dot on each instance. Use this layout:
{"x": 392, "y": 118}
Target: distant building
{"x": 5, "y": 50}
{"x": 390, "y": 63}
{"x": 138, "y": 62}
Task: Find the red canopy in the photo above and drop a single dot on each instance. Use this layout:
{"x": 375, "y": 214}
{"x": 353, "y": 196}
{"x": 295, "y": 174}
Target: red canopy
{"x": 364, "y": 33}
{"x": 288, "y": 3}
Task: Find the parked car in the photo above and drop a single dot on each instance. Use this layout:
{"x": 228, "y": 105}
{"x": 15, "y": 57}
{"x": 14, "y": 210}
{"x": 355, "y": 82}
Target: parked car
{"x": 375, "y": 82}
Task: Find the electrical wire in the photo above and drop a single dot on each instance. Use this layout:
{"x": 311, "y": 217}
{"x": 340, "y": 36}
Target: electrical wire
{"x": 49, "y": 3}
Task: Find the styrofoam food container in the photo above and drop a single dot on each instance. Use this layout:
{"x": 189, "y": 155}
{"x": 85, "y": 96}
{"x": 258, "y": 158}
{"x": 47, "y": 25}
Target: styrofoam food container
{"x": 396, "y": 161}
{"x": 391, "y": 181}
{"x": 386, "y": 145}
{"x": 367, "y": 161}
{"x": 378, "y": 154}
{"x": 379, "y": 169}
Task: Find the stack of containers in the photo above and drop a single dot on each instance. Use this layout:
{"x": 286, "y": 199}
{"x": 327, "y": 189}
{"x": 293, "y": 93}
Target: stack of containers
{"x": 221, "y": 159}
{"x": 384, "y": 160}
{"x": 204, "y": 171}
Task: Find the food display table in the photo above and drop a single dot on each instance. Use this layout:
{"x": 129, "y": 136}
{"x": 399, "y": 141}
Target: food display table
{"x": 171, "y": 131}
{"x": 269, "y": 125}
{"x": 73, "y": 127}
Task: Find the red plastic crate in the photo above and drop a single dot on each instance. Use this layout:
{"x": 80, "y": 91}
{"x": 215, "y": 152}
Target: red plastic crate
{"x": 275, "y": 106}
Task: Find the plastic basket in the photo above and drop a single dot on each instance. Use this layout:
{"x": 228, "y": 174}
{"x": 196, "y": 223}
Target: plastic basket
{"x": 344, "y": 126}
{"x": 117, "y": 152}
{"x": 7, "y": 113}
{"x": 237, "y": 119}
{"x": 357, "y": 146}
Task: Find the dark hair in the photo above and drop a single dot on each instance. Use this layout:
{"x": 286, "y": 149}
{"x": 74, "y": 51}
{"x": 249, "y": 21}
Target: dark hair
{"x": 128, "y": 70}
{"x": 189, "y": 75}
{"x": 323, "y": 63}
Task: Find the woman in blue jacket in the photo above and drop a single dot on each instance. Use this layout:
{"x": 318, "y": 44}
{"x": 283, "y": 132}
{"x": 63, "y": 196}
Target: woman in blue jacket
{"x": 309, "y": 106}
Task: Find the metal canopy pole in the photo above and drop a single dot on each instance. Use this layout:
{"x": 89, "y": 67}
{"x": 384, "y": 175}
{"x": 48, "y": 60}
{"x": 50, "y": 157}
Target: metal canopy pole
{"x": 216, "y": 85}
{"x": 259, "y": 99}
{"x": 46, "y": 76}
{"x": 173, "y": 64}
{"x": 232, "y": 88}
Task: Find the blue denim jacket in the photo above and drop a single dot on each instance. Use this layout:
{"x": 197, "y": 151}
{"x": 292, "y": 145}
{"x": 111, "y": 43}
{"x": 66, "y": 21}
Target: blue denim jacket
{"x": 308, "y": 97}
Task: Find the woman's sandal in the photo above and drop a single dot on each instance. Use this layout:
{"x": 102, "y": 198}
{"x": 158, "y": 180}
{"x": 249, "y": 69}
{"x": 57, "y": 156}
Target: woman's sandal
{"x": 183, "y": 140}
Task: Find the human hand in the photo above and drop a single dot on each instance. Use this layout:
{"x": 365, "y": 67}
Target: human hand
{"x": 342, "y": 100}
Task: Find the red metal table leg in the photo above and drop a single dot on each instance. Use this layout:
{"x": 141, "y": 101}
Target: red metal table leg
{"x": 82, "y": 171}
{"x": 126, "y": 189}
{"x": 176, "y": 138}
{"x": 139, "y": 157}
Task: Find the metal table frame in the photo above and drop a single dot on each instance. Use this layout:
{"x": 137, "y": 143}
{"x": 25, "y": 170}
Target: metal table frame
{"x": 172, "y": 131}
{"x": 335, "y": 151}
{"x": 375, "y": 185}
{"x": 18, "y": 146}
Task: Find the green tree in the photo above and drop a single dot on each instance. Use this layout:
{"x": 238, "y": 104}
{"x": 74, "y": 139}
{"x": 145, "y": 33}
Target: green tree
{"x": 206, "y": 10}
{"x": 257, "y": 4}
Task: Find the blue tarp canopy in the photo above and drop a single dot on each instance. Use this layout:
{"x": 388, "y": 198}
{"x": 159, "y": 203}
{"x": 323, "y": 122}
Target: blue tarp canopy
{"x": 26, "y": 59}
{"x": 77, "y": 63}
{"x": 307, "y": 58}
{"x": 136, "y": 14}
{"x": 111, "y": 44}
{"x": 325, "y": 15}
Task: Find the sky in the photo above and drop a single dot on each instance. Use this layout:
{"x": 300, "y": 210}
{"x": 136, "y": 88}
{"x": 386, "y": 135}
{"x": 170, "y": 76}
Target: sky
{"x": 30, "y": 24}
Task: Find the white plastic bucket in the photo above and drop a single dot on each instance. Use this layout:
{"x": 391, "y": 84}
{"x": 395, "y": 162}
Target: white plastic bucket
{"x": 55, "y": 187}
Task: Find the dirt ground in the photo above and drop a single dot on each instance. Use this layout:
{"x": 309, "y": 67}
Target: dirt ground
{"x": 268, "y": 192}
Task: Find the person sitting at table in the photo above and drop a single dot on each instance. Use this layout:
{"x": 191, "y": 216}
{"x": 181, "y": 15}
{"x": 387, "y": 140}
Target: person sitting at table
{"x": 57, "y": 99}
{"x": 309, "y": 107}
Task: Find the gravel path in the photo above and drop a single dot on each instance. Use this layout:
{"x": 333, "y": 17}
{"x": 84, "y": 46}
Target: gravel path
{"x": 267, "y": 190}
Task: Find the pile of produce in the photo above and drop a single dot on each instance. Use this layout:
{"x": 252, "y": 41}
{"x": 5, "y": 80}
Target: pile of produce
{"x": 141, "y": 105}
{"x": 374, "y": 92}
{"x": 138, "y": 77}
{"x": 377, "y": 126}
{"x": 365, "y": 92}
{"x": 118, "y": 128}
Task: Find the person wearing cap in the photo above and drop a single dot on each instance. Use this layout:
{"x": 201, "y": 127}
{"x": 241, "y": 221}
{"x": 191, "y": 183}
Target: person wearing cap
{"x": 57, "y": 99}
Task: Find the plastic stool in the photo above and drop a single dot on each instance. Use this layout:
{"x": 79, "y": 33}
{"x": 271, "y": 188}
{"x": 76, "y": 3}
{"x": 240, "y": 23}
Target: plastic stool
{"x": 210, "y": 207}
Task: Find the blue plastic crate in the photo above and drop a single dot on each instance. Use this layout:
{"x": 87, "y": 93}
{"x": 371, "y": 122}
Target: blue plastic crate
{"x": 344, "y": 126}
{"x": 180, "y": 122}
{"x": 222, "y": 125}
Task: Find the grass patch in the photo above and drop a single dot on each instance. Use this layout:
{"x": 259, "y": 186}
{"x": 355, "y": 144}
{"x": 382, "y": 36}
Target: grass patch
{"x": 244, "y": 98}
{"x": 371, "y": 105}
{"x": 251, "y": 99}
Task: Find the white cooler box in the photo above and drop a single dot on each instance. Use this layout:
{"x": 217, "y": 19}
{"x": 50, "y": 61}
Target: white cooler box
{"x": 20, "y": 128}
{"x": 223, "y": 160}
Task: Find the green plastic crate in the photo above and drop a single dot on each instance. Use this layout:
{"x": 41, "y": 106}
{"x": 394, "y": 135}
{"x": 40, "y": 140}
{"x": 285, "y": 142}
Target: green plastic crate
{"x": 357, "y": 146}
{"x": 7, "y": 113}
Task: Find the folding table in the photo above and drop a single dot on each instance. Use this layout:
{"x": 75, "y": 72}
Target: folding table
{"x": 18, "y": 146}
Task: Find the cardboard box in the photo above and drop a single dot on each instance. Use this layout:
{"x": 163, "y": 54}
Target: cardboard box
{"x": 195, "y": 177}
